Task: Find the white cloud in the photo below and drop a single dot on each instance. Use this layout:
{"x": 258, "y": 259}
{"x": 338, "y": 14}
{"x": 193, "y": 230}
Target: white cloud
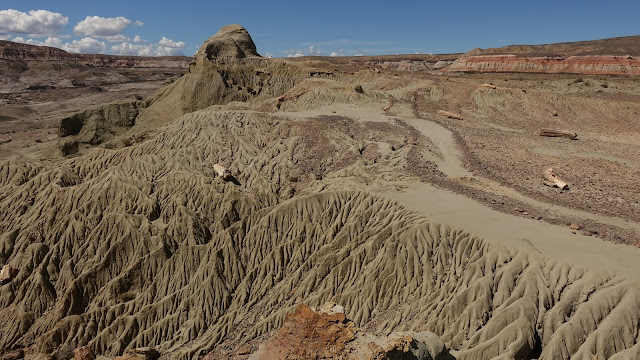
{"x": 137, "y": 39}
{"x": 338, "y": 53}
{"x": 5, "y": 37}
{"x": 138, "y": 23}
{"x": 86, "y": 45}
{"x": 348, "y": 42}
{"x": 165, "y": 47}
{"x": 127, "y": 48}
{"x": 101, "y": 27}
{"x": 268, "y": 55}
{"x": 115, "y": 38}
{"x": 36, "y": 22}
{"x": 313, "y": 51}
{"x": 294, "y": 53}
{"x": 50, "y": 41}
{"x": 168, "y": 51}
{"x": 171, "y": 44}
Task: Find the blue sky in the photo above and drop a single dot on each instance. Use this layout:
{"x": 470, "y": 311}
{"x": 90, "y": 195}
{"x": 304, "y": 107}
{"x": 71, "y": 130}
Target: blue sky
{"x": 288, "y": 28}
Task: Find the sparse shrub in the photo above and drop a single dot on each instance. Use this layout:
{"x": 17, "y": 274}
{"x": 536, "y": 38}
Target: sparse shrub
{"x": 40, "y": 87}
{"x": 293, "y": 178}
{"x": 578, "y": 80}
{"x": 604, "y": 85}
{"x": 65, "y": 352}
{"x": 69, "y": 147}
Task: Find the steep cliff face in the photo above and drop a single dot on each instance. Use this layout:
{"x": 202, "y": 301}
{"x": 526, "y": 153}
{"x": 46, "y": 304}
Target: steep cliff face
{"x": 16, "y": 51}
{"x": 97, "y": 125}
{"x": 596, "y": 65}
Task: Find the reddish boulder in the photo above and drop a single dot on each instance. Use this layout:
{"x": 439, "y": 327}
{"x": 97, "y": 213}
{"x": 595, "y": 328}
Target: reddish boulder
{"x": 307, "y": 334}
{"x": 83, "y": 353}
{"x": 13, "y": 355}
{"x": 325, "y": 333}
{"x": 7, "y": 274}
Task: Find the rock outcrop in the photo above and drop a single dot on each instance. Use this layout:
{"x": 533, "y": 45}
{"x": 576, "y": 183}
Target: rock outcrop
{"x": 7, "y": 274}
{"x": 83, "y": 353}
{"x": 97, "y": 125}
{"x": 308, "y": 333}
{"x": 227, "y": 68}
{"x": 230, "y": 43}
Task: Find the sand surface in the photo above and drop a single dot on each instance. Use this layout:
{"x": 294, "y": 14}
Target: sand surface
{"x": 446, "y": 207}
{"x": 552, "y": 241}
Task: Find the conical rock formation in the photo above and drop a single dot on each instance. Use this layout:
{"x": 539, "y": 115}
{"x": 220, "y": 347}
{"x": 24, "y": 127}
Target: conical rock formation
{"x": 227, "y": 68}
{"x": 230, "y": 43}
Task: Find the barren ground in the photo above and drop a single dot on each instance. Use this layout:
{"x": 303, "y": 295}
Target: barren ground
{"x": 35, "y": 95}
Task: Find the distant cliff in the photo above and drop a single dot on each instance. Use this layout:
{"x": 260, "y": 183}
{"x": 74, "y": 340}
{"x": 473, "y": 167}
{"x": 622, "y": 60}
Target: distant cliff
{"x": 595, "y": 65}
{"x": 618, "y": 46}
{"x": 16, "y": 51}
{"x": 613, "y": 56}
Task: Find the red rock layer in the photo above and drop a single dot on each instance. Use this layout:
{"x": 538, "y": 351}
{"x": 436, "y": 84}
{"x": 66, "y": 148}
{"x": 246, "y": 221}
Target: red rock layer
{"x": 589, "y": 65}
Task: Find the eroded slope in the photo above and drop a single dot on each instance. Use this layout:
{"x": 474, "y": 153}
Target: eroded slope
{"x": 142, "y": 247}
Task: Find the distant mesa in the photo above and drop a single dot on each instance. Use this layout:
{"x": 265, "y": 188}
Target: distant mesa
{"x": 587, "y": 65}
{"x": 25, "y": 52}
{"x": 614, "y": 56}
{"x": 231, "y": 42}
